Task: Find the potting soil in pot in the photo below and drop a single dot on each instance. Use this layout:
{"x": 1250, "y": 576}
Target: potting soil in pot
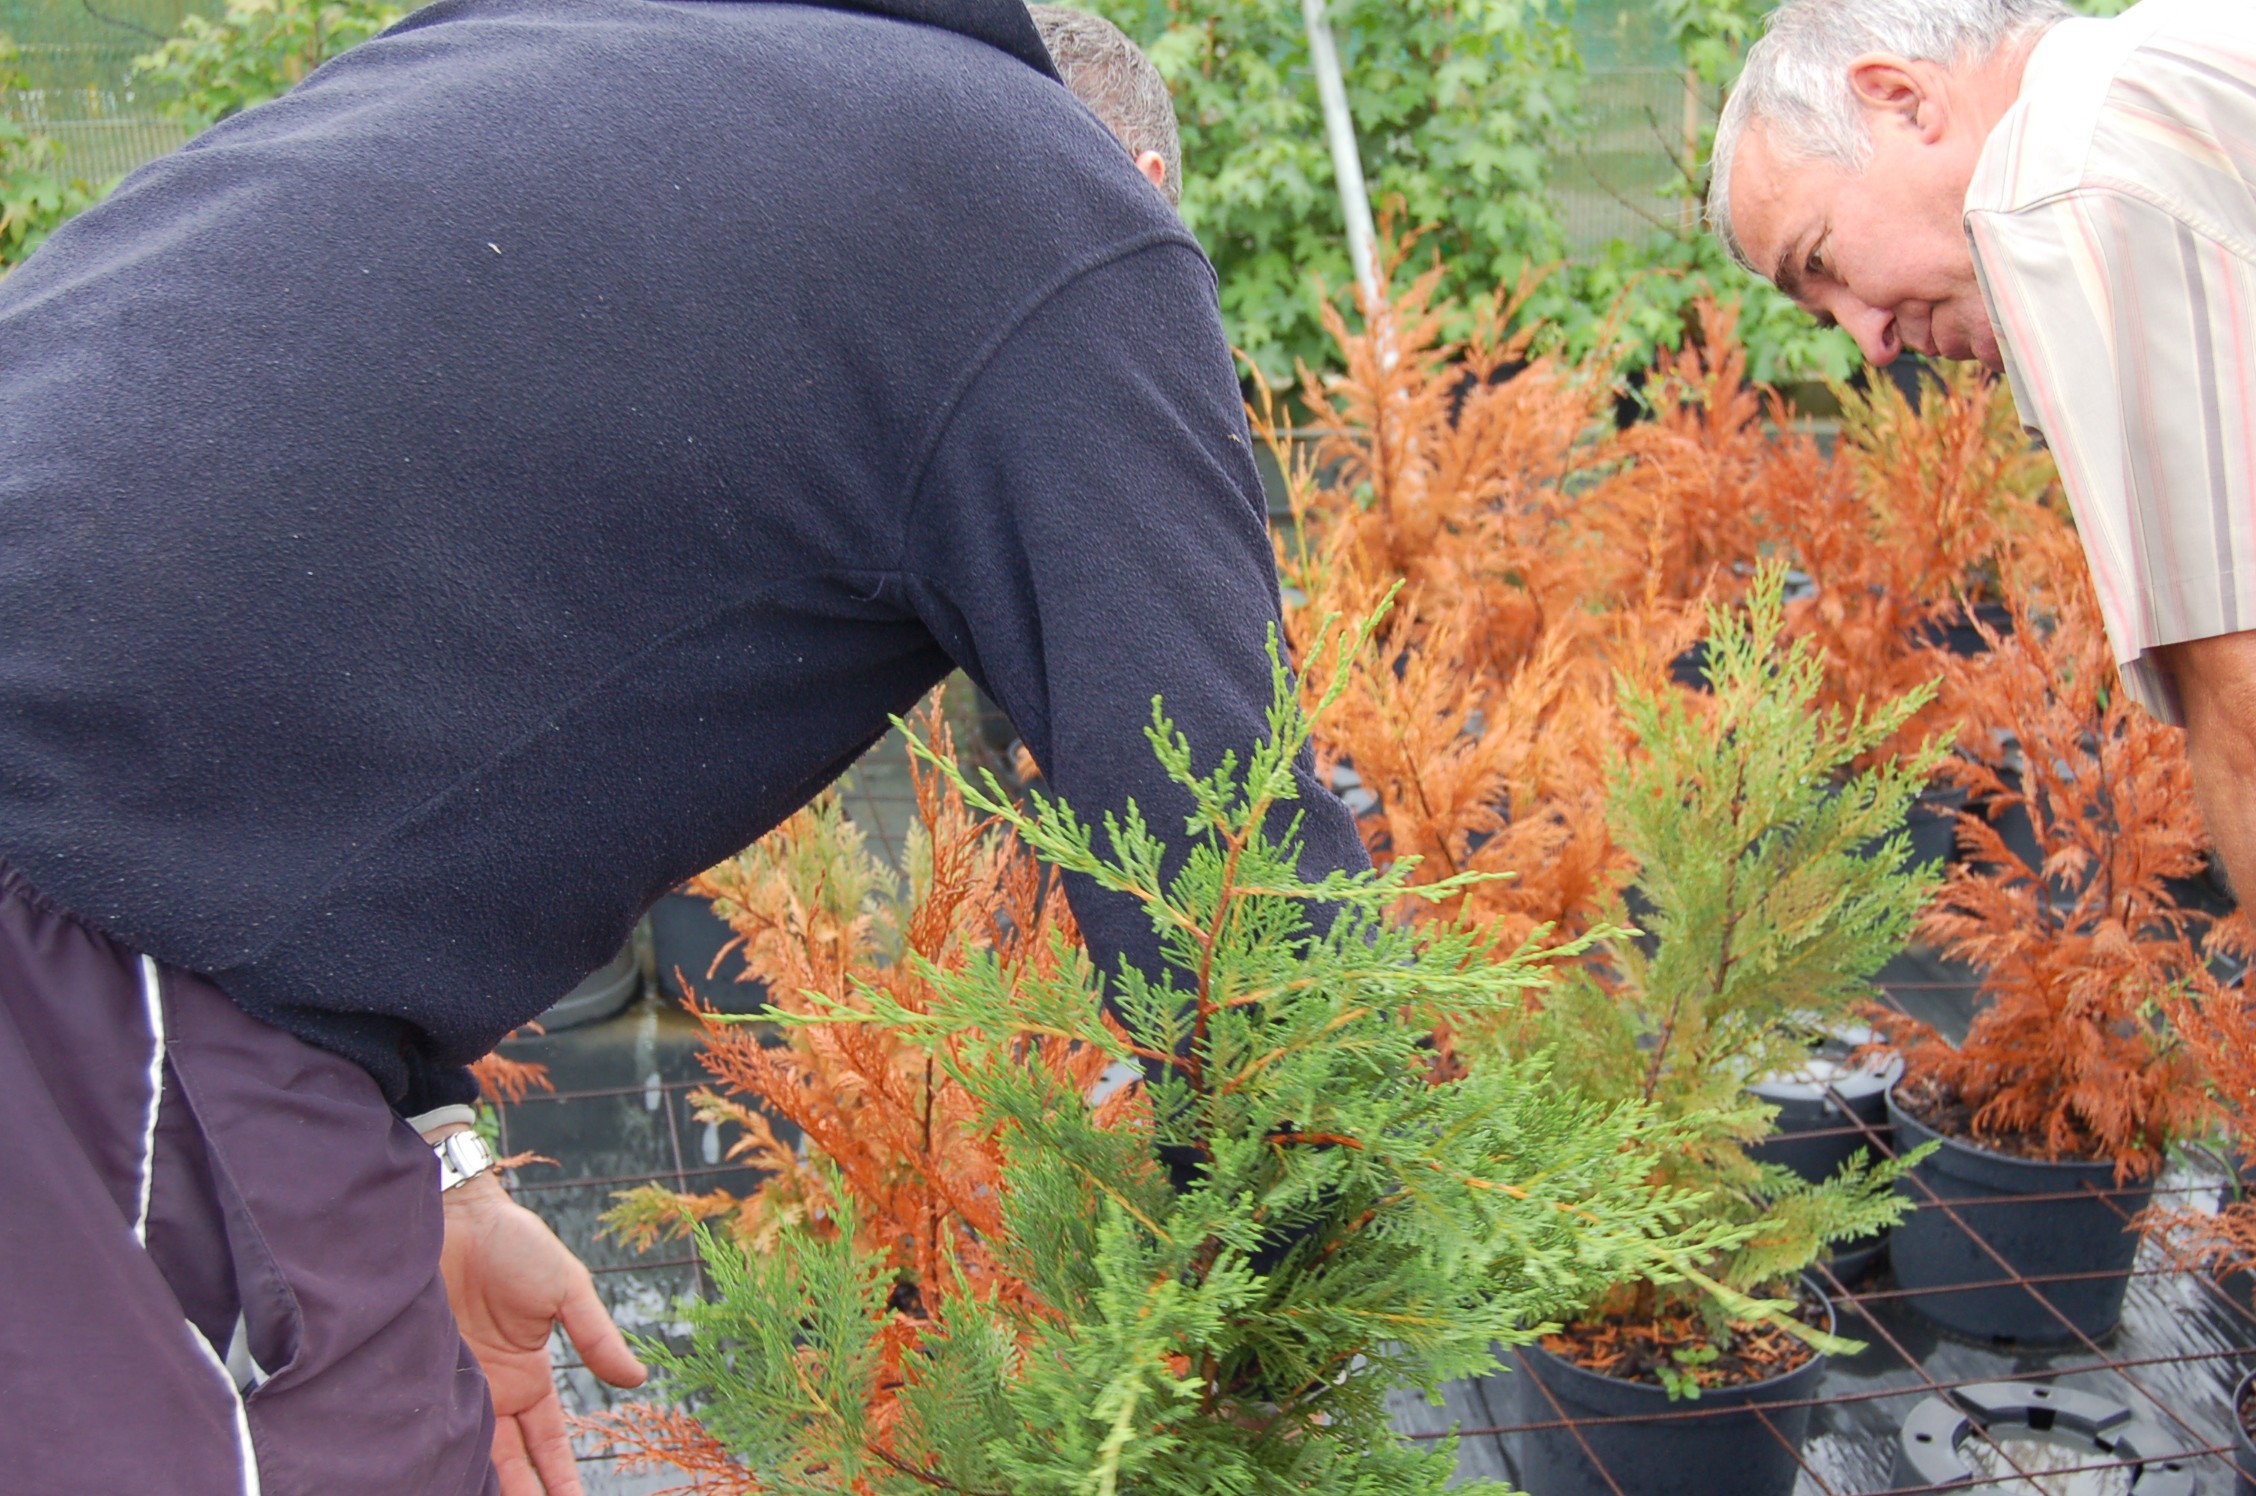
{"x": 1675, "y": 1447}
{"x": 2065, "y": 1224}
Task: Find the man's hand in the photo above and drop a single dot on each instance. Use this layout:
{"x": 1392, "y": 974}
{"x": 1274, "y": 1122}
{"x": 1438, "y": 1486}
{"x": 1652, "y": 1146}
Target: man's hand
{"x": 510, "y": 1280}
{"x": 2216, "y": 687}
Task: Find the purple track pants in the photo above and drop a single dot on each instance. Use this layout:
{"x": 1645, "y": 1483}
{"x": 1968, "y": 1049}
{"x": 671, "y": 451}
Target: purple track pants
{"x": 218, "y": 1248}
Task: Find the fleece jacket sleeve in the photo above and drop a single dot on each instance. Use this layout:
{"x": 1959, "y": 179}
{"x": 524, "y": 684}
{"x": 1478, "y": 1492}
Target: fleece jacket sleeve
{"x": 1090, "y": 534}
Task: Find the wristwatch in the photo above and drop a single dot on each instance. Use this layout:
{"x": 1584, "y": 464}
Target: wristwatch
{"x": 463, "y": 1156}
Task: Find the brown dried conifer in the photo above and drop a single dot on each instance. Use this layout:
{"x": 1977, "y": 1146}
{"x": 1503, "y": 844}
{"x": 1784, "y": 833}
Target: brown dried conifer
{"x": 501, "y": 1079}
{"x": 2069, "y": 1057}
{"x": 813, "y": 913}
{"x": 1480, "y": 723}
{"x": 818, "y": 919}
{"x": 1924, "y": 513}
{"x": 1691, "y": 507}
{"x": 2216, "y": 1019}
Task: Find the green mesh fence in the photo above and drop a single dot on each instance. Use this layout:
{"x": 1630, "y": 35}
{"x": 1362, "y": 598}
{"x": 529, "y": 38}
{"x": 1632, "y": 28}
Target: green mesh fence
{"x": 77, "y": 59}
{"x": 1616, "y": 178}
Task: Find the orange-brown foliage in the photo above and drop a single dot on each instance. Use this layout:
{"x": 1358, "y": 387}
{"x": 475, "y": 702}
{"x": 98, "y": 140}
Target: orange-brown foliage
{"x": 1695, "y": 501}
{"x": 924, "y": 1172}
{"x": 642, "y": 1437}
{"x": 2217, "y": 1022}
{"x": 1482, "y": 721}
{"x": 906, "y": 1141}
{"x": 501, "y": 1079}
{"x": 2068, "y": 1058}
{"x": 1923, "y": 515}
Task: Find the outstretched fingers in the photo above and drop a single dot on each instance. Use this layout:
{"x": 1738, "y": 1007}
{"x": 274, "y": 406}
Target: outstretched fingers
{"x": 596, "y": 1337}
{"x": 548, "y": 1445}
{"x": 511, "y": 1461}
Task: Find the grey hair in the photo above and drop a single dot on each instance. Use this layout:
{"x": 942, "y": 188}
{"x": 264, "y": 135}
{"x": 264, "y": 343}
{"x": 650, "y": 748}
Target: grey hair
{"x": 1796, "y": 81}
{"x": 1111, "y": 75}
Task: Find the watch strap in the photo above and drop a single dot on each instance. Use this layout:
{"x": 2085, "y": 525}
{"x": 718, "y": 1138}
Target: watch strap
{"x": 463, "y": 1156}
{"x": 443, "y": 1116}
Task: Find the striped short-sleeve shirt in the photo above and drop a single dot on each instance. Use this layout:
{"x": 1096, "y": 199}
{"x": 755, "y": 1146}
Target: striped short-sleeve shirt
{"x": 2113, "y": 222}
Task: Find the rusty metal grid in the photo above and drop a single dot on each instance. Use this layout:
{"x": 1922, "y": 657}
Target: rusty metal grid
{"x": 2190, "y": 1445}
{"x": 2125, "y": 1376}
{"x": 881, "y": 803}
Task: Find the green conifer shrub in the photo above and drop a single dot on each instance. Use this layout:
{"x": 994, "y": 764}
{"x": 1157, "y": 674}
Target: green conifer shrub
{"x": 1348, "y": 1221}
{"x": 1775, "y": 887}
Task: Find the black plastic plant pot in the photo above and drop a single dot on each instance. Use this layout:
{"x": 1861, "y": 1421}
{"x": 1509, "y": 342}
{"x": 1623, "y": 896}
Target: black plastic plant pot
{"x": 1714, "y": 1443}
{"x": 1932, "y": 823}
{"x": 687, "y": 938}
{"x": 602, "y": 993}
{"x": 1935, "y": 1447}
{"x": 1820, "y": 1110}
{"x": 2065, "y": 1223}
{"x": 1823, "y": 1114}
{"x": 1956, "y": 632}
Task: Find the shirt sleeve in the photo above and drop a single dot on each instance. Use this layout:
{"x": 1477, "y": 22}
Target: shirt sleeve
{"x": 2130, "y": 339}
{"x": 1090, "y": 533}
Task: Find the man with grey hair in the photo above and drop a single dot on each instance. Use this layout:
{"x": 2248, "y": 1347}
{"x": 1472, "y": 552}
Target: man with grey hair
{"x": 2071, "y": 201}
{"x": 1111, "y": 74}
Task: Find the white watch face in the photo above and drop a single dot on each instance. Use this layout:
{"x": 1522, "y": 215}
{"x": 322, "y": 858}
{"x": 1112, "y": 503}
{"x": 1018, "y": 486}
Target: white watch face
{"x": 462, "y": 1157}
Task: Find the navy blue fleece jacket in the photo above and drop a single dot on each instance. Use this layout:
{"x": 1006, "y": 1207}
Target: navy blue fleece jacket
{"x": 444, "y": 508}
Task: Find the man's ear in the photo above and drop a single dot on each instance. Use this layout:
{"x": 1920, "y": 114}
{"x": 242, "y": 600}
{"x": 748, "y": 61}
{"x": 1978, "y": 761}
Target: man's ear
{"x": 1154, "y": 167}
{"x": 1886, "y": 84}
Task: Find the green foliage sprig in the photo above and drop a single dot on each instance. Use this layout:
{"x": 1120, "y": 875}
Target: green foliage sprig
{"x": 35, "y": 197}
{"x": 257, "y": 50}
{"x": 1776, "y": 888}
{"x": 1338, "y": 1220}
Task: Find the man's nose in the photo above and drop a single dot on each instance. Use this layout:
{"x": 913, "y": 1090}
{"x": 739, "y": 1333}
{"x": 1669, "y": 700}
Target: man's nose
{"x": 1875, "y": 330}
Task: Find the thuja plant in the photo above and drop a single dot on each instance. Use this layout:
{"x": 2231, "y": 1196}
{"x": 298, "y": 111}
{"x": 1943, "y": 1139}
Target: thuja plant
{"x": 1926, "y": 512}
{"x": 822, "y": 921}
{"x": 1773, "y": 889}
{"x": 1458, "y": 472}
{"x": 1222, "y": 1283}
{"x": 2078, "y": 935}
{"x": 2216, "y": 1020}
{"x": 816, "y": 913}
{"x": 897, "y": 1155}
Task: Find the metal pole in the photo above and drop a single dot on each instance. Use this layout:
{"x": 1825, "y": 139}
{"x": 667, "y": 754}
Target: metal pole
{"x": 1347, "y": 165}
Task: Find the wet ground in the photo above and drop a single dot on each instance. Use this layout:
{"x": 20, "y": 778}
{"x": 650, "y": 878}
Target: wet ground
{"x": 621, "y": 1118}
